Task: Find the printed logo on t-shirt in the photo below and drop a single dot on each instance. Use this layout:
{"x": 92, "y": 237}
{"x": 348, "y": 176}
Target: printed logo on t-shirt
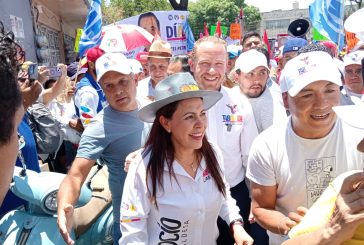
{"x": 128, "y": 207}
{"x": 129, "y": 212}
{"x": 232, "y": 119}
{"x": 319, "y": 173}
{"x": 206, "y": 175}
{"x": 233, "y": 108}
{"x": 173, "y": 231}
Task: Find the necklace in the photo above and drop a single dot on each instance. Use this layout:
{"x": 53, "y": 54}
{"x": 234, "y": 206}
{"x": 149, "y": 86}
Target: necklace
{"x": 192, "y": 165}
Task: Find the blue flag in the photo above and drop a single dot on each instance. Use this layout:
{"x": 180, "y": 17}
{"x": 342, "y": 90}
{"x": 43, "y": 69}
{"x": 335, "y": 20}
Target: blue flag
{"x": 327, "y": 20}
{"x": 189, "y": 36}
{"x": 91, "y": 35}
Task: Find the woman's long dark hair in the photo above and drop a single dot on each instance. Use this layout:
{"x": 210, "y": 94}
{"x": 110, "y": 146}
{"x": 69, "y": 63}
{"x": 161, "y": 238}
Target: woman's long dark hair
{"x": 161, "y": 149}
{"x": 11, "y": 56}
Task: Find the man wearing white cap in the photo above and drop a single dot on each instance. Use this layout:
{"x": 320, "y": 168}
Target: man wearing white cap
{"x": 334, "y": 219}
{"x": 291, "y": 164}
{"x": 115, "y": 132}
{"x": 252, "y": 72}
{"x": 354, "y": 85}
{"x": 137, "y": 69}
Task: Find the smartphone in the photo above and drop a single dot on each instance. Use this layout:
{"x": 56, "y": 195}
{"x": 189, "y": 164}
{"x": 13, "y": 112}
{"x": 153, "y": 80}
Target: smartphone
{"x": 32, "y": 73}
{"x": 54, "y": 72}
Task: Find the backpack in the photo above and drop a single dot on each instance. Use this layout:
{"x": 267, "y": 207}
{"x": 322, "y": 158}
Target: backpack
{"x": 46, "y": 130}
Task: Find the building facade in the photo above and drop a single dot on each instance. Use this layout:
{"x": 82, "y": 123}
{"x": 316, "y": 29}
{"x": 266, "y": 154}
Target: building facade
{"x": 45, "y": 29}
{"x": 276, "y": 22}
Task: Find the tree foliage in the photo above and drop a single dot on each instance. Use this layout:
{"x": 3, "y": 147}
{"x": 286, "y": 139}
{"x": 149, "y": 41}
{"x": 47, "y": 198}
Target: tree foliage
{"x": 251, "y": 17}
{"x": 210, "y": 11}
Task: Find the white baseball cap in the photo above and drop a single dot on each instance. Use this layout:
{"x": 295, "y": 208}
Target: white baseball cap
{"x": 136, "y": 66}
{"x": 358, "y": 46}
{"x": 307, "y": 68}
{"x": 112, "y": 62}
{"x": 353, "y": 58}
{"x": 250, "y": 60}
{"x": 354, "y": 23}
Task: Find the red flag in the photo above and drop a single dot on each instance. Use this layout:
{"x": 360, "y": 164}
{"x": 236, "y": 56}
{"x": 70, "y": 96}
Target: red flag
{"x": 241, "y": 14}
{"x": 205, "y": 30}
{"x": 218, "y": 29}
{"x": 266, "y": 42}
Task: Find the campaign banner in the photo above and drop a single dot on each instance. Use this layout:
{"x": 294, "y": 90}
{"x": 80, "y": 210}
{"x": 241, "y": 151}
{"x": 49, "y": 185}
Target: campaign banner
{"x": 351, "y": 40}
{"x": 235, "y": 31}
{"x": 167, "y": 24}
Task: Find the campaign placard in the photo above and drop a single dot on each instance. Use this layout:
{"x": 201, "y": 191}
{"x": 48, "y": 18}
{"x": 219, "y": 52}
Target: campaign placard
{"x": 167, "y": 24}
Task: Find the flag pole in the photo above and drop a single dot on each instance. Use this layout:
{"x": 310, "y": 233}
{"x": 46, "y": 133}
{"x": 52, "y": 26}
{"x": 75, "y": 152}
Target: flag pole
{"x": 342, "y": 12}
{"x": 241, "y": 18}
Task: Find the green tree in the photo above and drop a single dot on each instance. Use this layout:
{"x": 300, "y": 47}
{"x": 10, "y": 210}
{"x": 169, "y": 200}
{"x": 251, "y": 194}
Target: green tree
{"x": 251, "y": 18}
{"x": 210, "y": 11}
{"x": 121, "y": 9}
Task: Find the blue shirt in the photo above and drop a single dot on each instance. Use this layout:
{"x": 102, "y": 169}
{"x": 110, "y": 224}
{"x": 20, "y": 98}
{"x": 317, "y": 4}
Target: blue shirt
{"x": 30, "y": 155}
{"x": 111, "y": 137}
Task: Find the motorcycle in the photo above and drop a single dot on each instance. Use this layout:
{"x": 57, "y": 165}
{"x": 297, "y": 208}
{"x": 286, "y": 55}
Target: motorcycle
{"x": 37, "y": 222}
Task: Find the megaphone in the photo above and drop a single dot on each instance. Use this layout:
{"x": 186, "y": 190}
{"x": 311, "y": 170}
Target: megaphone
{"x": 299, "y": 28}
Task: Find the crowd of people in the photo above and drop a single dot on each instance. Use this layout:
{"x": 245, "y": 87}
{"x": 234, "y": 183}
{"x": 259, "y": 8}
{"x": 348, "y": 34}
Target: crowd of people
{"x": 224, "y": 145}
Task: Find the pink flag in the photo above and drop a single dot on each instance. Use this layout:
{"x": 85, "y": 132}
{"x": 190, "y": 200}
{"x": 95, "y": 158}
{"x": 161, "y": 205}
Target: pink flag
{"x": 206, "y": 31}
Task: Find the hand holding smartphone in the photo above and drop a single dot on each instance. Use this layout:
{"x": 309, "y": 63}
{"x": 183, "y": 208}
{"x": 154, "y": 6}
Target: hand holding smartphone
{"x": 54, "y": 72}
{"x": 32, "y": 73}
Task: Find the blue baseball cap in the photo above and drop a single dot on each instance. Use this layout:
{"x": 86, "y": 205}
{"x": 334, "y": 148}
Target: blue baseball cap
{"x": 294, "y": 44}
{"x": 234, "y": 51}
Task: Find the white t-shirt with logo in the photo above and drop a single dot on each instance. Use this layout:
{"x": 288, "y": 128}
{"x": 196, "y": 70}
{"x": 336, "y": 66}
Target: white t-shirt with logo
{"x": 302, "y": 168}
{"x": 187, "y": 209}
{"x": 231, "y": 125}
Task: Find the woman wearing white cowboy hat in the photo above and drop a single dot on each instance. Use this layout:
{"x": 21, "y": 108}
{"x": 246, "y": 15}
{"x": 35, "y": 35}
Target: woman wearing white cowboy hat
{"x": 177, "y": 189}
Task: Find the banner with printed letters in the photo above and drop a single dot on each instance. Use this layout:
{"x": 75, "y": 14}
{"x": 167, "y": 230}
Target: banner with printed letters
{"x": 170, "y": 26}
